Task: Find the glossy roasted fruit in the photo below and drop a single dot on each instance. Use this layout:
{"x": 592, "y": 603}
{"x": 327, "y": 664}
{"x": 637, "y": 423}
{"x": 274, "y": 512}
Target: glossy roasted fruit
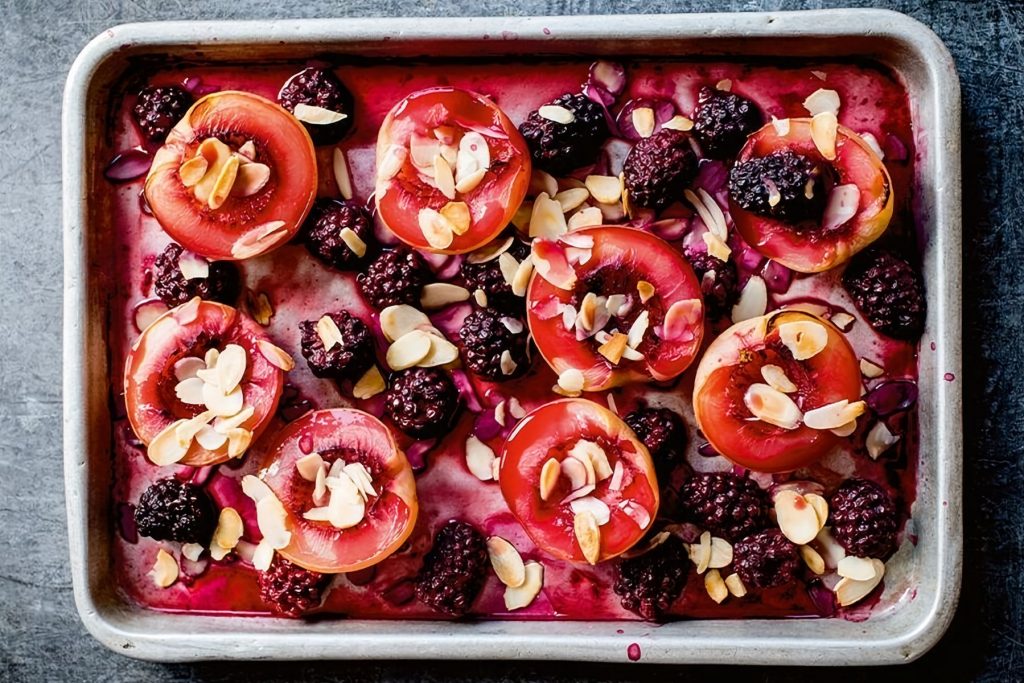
{"x": 158, "y": 108}
{"x": 658, "y": 169}
{"x": 664, "y": 433}
{"x": 494, "y": 345}
{"x": 174, "y": 288}
{"x": 396, "y": 277}
{"x": 488, "y": 278}
{"x": 782, "y": 185}
{"x": 558, "y": 147}
{"x": 348, "y": 358}
{"x": 722, "y": 121}
{"x": 728, "y": 505}
{"x": 325, "y": 233}
{"x": 422, "y": 402}
{"x": 864, "y": 519}
{"x": 888, "y": 292}
{"x": 766, "y": 559}
{"x": 322, "y": 89}
{"x": 718, "y": 282}
{"x": 454, "y": 569}
{"x": 171, "y": 510}
{"x": 290, "y": 590}
{"x": 650, "y": 583}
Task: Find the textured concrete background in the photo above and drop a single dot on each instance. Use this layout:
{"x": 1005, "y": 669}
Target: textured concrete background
{"x": 40, "y": 635}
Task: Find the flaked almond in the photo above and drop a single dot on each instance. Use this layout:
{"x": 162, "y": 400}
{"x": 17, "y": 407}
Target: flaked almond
{"x": 186, "y": 368}
{"x": 781, "y": 126}
{"x": 491, "y": 251}
{"x": 556, "y": 113}
{"x": 515, "y": 408}
{"x": 804, "y": 338}
{"x": 193, "y": 170}
{"x": 549, "y": 475}
{"x": 772, "y": 406}
{"x": 458, "y": 215}
{"x": 588, "y": 535}
{"x": 822, "y": 100}
{"x": 735, "y": 585}
{"x": 547, "y": 219}
{"x": 506, "y": 562}
{"x": 479, "y": 459}
{"x": 210, "y": 439}
{"x": 679, "y": 122}
{"x": 250, "y": 179}
{"x": 645, "y": 289}
{"x": 701, "y": 555}
{"x": 834, "y": 415}
{"x": 165, "y": 569}
{"x": 229, "y": 529}
{"x": 824, "y": 131}
{"x": 468, "y": 182}
{"x": 192, "y": 551}
{"x": 391, "y": 162}
{"x": 190, "y": 391}
{"x": 640, "y": 515}
{"x": 193, "y": 266}
{"x": 856, "y": 568}
{"x": 820, "y": 506}
{"x": 360, "y": 476}
{"x": 595, "y": 506}
{"x": 409, "y": 349}
{"x": 776, "y": 378}
{"x": 721, "y": 553}
{"x": 577, "y": 473}
{"x": 717, "y": 247}
{"x": 506, "y": 363}
{"x": 317, "y": 116}
{"x": 614, "y": 347}
{"x": 508, "y": 265}
{"x": 638, "y": 329}
{"x": 605, "y": 188}
{"x": 262, "y": 556}
{"x": 275, "y": 355}
{"x": 308, "y": 466}
{"x": 271, "y": 519}
{"x": 186, "y": 313}
{"x": 444, "y": 178}
{"x": 843, "y": 320}
{"x": 353, "y": 241}
{"x": 225, "y": 424}
{"x": 542, "y": 181}
{"x": 846, "y": 430}
{"x": 188, "y": 429}
{"x": 440, "y": 294}
{"x": 681, "y": 318}
{"x": 585, "y": 218}
{"x": 643, "y": 121}
{"x": 571, "y": 381}
{"x": 225, "y": 182}
{"x": 571, "y": 198}
{"x": 436, "y": 229}
{"x": 715, "y": 586}
{"x": 341, "y": 175}
{"x": 397, "y": 321}
{"x": 849, "y": 591}
{"x": 239, "y": 439}
{"x": 870, "y": 370}
{"x": 709, "y": 211}
{"x": 879, "y": 440}
{"x": 524, "y": 594}
{"x": 521, "y": 278}
{"x": 812, "y": 558}
{"x": 796, "y": 517}
{"x": 618, "y": 472}
{"x": 259, "y": 239}
{"x": 166, "y": 448}
{"x": 442, "y": 352}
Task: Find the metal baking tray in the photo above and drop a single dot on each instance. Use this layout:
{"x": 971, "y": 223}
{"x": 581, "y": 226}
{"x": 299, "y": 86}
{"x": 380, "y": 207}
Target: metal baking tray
{"x": 921, "y": 592}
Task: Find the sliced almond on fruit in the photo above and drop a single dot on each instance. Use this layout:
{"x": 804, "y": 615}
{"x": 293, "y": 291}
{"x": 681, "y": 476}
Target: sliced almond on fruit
{"x": 556, "y": 113}
{"x": 776, "y": 378}
{"x": 521, "y": 278}
{"x": 735, "y": 585}
{"x": 437, "y": 230}
{"x": 781, "y": 126}
{"x": 721, "y": 553}
{"x": 715, "y": 586}
{"x": 491, "y": 251}
{"x": 678, "y": 122}
{"x": 188, "y": 429}
{"x": 822, "y": 100}
{"x": 186, "y": 313}
{"x": 591, "y": 452}
{"x": 225, "y": 182}
{"x": 506, "y": 562}
{"x": 804, "y": 338}
{"x": 753, "y": 300}
{"x": 549, "y": 475}
{"x": 272, "y": 521}
{"x": 846, "y": 430}
{"x": 820, "y": 506}
{"x": 353, "y": 241}
{"x": 640, "y": 515}
{"x": 571, "y": 198}
{"x": 643, "y": 121}
{"x": 812, "y": 559}
{"x": 542, "y": 181}
{"x": 221, "y": 404}
{"x": 190, "y": 391}
{"x": 308, "y": 466}
{"x": 262, "y": 556}
{"x": 614, "y": 347}
{"x": 231, "y": 367}
{"x": 187, "y": 367}
{"x": 166, "y": 448}
{"x": 849, "y": 591}
{"x": 870, "y": 370}
{"x": 479, "y": 458}
{"x": 442, "y": 352}
{"x": 370, "y": 384}
{"x": 210, "y": 439}
{"x": 585, "y": 218}
{"x": 440, "y": 294}
{"x": 842, "y": 320}
{"x": 259, "y": 239}
{"x": 250, "y": 179}
{"x": 571, "y": 381}
{"x": 824, "y": 131}
{"x": 317, "y": 116}
{"x": 229, "y": 529}
{"x": 508, "y": 265}
{"x": 444, "y": 177}
{"x": 409, "y": 349}
{"x": 796, "y": 517}
{"x": 717, "y": 247}
{"x": 638, "y": 329}
{"x": 225, "y": 424}
{"x": 856, "y": 568}
{"x": 618, "y": 472}
{"x": 595, "y": 506}
{"x": 879, "y": 440}
{"x": 681, "y": 318}
{"x": 588, "y": 535}
{"x": 524, "y": 594}
{"x": 604, "y": 188}
{"x": 469, "y": 182}
{"x": 547, "y": 219}
{"x": 193, "y": 266}
{"x": 397, "y": 321}
{"x": 772, "y": 406}
{"x": 165, "y": 569}
{"x": 575, "y": 471}
{"x": 645, "y": 289}
{"x": 239, "y": 439}
{"x": 458, "y": 216}
{"x": 834, "y": 415}
{"x": 391, "y": 162}
{"x": 193, "y": 170}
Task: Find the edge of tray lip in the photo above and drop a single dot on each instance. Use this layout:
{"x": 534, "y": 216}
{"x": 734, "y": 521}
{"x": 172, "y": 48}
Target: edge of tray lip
{"x": 101, "y": 621}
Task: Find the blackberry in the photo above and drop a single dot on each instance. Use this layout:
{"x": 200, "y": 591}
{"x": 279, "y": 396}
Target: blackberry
{"x": 422, "y": 402}
{"x": 487, "y": 276}
{"x": 888, "y": 292}
{"x": 658, "y": 169}
{"x": 396, "y": 276}
{"x": 722, "y": 121}
{"x": 728, "y": 505}
{"x": 864, "y": 519}
{"x": 171, "y": 510}
{"x": 664, "y": 434}
{"x": 797, "y": 182}
{"x": 291, "y": 590}
{"x": 766, "y": 559}
{"x": 650, "y": 583}
{"x": 319, "y": 88}
{"x": 718, "y": 282}
{"x": 486, "y": 336}
{"x": 222, "y": 284}
{"x": 559, "y": 148}
{"x": 322, "y": 232}
{"x": 454, "y": 569}
{"x": 157, "y": 109}
{"x": 347, "y": 360}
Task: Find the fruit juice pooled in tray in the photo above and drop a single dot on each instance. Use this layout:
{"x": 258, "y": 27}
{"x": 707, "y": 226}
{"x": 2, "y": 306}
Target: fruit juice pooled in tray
{"x": 561, "y": 340}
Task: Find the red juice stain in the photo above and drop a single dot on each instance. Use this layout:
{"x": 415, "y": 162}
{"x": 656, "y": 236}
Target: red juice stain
{"x": 949, "y": 377}
{"x": 306, "y": 444}
{"x": 633, "y": 652}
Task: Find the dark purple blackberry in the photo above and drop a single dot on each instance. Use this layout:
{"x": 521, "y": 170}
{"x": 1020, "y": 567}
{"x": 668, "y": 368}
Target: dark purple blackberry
{"x": 422, "y": 402}
{"x": 487, "y": 276}
{"x": 559, "y": 148}
{"x": 396, "y": 276}
{"x": 486, "y": 336}
{"x": 171, "y": 510}
{"x": 792, "y": 181}
{"x": 289, "y": 589}
{"x": 658, "y": 169}
{"x": 222, "y": 284}
{"x": 347, "y": 360}
{"x": 766, "y": 559}
{"x": 718, "y": 282}
{"x": 454, "y": 569}
{"x": 157, "y": 109}
{"x": 888, "y": 292}
{"x": 322, "y": 232}
{"x": 664, "y": 434}
{"x": 650, "y": 583}
{"x": 864, "y": 519}
{"x": 722, "y": 121}
{"x": 728, "y": 505}
{"x": 319, "y": 88}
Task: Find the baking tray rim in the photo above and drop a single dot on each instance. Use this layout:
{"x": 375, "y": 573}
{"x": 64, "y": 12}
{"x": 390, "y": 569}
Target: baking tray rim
{"x": 712, "y": 641}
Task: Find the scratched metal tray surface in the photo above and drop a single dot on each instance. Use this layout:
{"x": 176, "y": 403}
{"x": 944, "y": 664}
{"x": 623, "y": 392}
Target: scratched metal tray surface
{"x": 921, "y": 589}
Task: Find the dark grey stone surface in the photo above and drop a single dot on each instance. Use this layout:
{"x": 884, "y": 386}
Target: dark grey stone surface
{"x": 40, "y": 635}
